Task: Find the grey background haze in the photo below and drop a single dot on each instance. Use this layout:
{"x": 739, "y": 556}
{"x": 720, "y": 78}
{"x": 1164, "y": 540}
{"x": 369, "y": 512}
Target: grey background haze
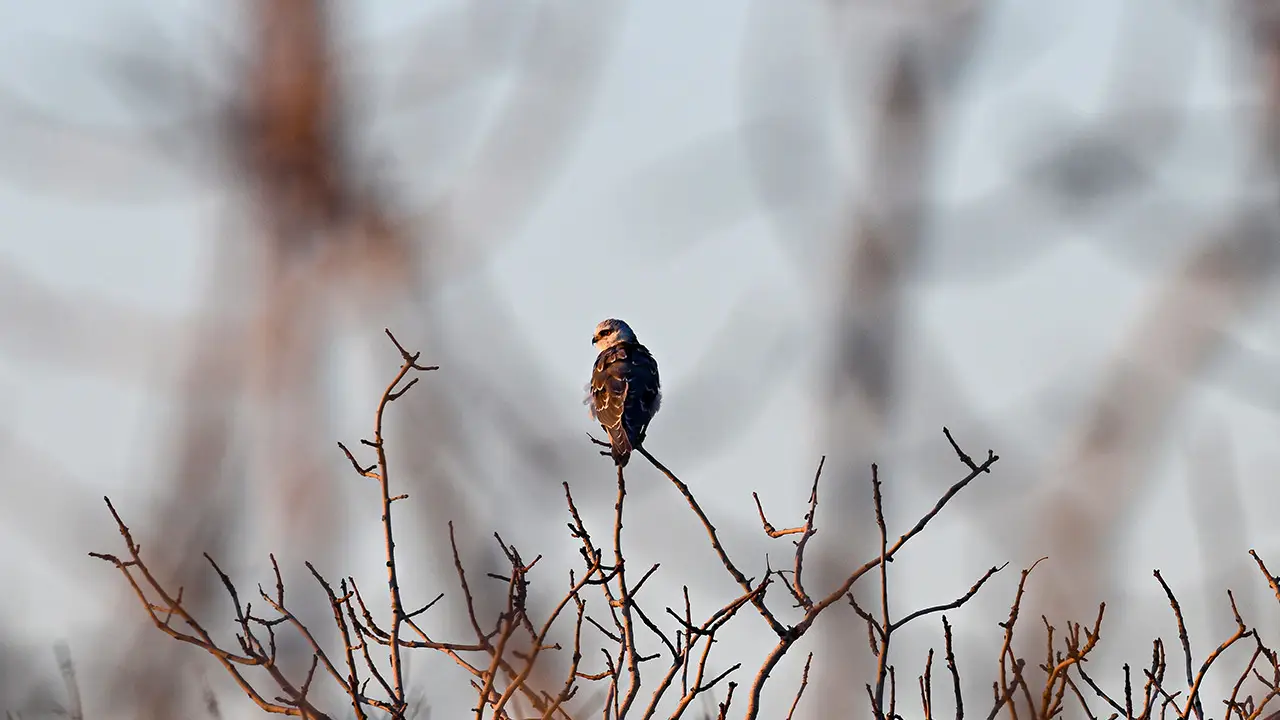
{"x": 704, "y": 193}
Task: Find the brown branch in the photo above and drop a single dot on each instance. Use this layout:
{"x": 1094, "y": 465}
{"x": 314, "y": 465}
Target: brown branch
{"x": 624, "y": 602}
{"x": 1230, "y": 702}
{"x": 201, "y": 638}
{"x": 804, "y": 682}
{"x": 789, "y": 635}
{"x": 1193, "y": 694}
{"x": 973, "y": 590}
{"x": 926, "y": 687}
{"x": 882, "y": 654}
{"x": 951, "y": 667}
{"x": 729, "y": 565}
{"x": 507, "y": 624}
{"x": 410, "y": 362}
{"x": 1008, "y": 686}
{"x": 1051, "y": 700}
{"x": 539, "y": 642}
{"x": 1183, "y": 638}
{"x": 1272, "y": 580}
{"x": 352, "y": 684}
{"x": 570, "y": 684}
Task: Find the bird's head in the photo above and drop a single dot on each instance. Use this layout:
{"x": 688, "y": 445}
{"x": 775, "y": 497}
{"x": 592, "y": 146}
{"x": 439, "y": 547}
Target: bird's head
{"x": 611, "y": 332}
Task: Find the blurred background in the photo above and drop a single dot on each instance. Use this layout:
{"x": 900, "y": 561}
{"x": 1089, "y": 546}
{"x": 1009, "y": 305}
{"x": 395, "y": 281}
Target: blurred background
{"x": 839, "y": 226}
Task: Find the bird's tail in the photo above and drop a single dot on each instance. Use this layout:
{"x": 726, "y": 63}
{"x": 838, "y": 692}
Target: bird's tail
{"x": 621, "y": 445}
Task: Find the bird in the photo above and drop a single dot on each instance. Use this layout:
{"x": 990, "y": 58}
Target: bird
{"x": 624, "y": 392}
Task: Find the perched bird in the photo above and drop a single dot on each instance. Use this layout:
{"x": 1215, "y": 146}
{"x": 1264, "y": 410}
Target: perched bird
{"x": 624, "y": 392}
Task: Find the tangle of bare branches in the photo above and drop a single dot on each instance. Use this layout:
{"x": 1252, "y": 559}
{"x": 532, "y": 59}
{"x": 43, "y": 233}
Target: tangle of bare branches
{"x": 362, "y": 656}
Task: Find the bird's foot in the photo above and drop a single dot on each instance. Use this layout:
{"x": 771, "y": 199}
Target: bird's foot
{"x": 608, "y": 452}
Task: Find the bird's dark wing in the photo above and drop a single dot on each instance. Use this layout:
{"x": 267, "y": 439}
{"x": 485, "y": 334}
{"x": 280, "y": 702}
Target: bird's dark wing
{"x": 644, "y": 393}
{"x": 609, "y": 383}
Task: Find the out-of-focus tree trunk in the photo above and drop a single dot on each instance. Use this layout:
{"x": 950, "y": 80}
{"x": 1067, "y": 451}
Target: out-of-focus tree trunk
{"x": 870, "y": 316}
{"x": 869, "y": 319}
